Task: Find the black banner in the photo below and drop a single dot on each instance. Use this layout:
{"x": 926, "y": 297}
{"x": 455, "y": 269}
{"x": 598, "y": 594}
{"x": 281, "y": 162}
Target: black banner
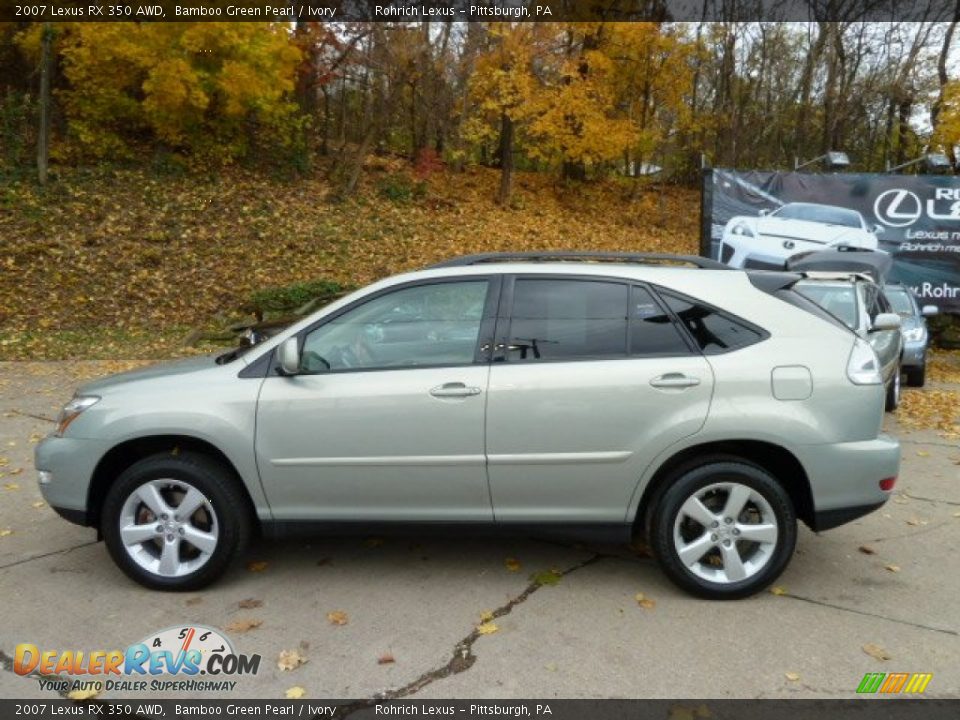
{"x": 901, "y": 709}
{"x": 848, "y": 11}
{"x": 760, "y": 219}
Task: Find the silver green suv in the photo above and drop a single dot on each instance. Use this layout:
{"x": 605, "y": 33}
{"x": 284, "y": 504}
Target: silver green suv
{"x": 591, "y": 395}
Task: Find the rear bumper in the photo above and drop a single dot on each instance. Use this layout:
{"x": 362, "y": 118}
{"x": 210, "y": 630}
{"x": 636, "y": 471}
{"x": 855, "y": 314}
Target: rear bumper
{"x": 845, "y": 478}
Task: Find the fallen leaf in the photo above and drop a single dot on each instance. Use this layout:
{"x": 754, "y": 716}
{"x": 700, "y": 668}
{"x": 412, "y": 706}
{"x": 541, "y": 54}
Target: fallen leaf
{"x": 85, "y": 694}
{"x": 194, "y": 600}
{"x": 385, "y": 659}
{"x": 512, "y": 564}
{"x": 956, "y": 514}
{"x": 290, "y": 659}
{"x": 487, "y": 628}
{"x": 792, "y": 676}
{"x": 486, "y": 615}
{"x": 546, "y": 577}
{"x": 645, "y": 602}
{"x": 38, "y": 504}
{"x": 5, "y": 532}
{"x": 337, "y": 617}
{"x": 257, "y": 565}
{"x": 243, "y": 625}
{"x": 893, "y": 568}
{"x": 923, "y": 453}
{"x": 867, "y": 550}
{"x": 295, "y": 693}
{"x": 250, "y": 603}
{"x": 15, "y": 471}
{"x": 875, "y": 651}
{"x": 552, "y": 667}
{"x": 11, "y": 486}
{"x": 373, "y": 542}
{"x": 778, "y": 590}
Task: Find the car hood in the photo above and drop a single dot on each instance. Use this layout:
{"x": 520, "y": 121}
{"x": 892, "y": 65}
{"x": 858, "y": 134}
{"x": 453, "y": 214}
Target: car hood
{"x": 812, "y": 231}
{"x": 167, "y": 369}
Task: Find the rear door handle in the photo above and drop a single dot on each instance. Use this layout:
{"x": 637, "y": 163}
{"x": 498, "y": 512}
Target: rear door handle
{"x": 454, "y": 389}
{"x": 675, "y": 381}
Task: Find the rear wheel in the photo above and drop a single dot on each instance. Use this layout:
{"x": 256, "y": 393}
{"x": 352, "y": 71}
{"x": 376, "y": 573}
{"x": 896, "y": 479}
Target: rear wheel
{"x": 175, "y": 522}
{"x": 893, "y": 391}
{"x": 724, "y": 530}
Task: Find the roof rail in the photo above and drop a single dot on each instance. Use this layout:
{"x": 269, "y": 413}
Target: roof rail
{"x": 578, "y": 256}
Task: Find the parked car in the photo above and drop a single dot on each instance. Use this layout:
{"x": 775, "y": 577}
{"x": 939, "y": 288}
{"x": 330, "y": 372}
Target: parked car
{"x": 766, "y": 241}
{"x": 861, "y": 305}
{"x": 593, "y": 396}
{"x": 914, "y": 329}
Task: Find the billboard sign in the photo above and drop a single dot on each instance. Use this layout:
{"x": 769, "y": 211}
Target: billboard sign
{"x": 754, "y": 219}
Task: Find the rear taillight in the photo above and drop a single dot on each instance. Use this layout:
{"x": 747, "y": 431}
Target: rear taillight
{"x": 863, "y": 368}
{"x": 887, "y": 483}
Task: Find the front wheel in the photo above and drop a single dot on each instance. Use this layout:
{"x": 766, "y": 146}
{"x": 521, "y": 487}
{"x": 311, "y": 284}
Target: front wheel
{"x": 724, "y": 530}
{"x": 175, "y": 522}
{"x": 893, "y": 391}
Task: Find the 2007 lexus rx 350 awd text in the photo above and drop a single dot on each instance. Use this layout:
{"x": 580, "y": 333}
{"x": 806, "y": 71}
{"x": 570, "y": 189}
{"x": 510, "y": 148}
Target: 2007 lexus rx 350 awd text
{"x": 592, "y": 395}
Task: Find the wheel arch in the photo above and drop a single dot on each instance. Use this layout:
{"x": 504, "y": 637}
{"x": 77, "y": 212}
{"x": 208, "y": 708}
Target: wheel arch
{"x": 782, "y": 465}
{"x": 124, "y": 454}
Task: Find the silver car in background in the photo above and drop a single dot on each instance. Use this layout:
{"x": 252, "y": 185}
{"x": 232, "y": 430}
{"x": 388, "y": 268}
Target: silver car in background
{"x": 577, "y": 394}
{"x": 916, "y": 336}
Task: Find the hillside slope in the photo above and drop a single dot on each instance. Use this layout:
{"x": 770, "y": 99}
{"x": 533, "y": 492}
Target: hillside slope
{"x": 124, "y": 262}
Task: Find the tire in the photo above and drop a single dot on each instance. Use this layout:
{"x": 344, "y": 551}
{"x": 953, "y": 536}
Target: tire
{"x": 917, "y": 376}
{"x": 157, "y": 552}
{"x": 709, "y": 569}
{"x": 893, "y": 391}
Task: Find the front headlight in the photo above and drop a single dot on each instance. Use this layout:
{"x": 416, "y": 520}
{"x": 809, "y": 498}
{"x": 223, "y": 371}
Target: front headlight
{"x": 71, "y": 411}
{"x": 742, "y": 228}
{"x": 916, "y": 334}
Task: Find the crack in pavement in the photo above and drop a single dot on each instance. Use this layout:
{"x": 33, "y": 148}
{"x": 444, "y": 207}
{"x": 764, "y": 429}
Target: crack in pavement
{"x": 31, "y": 415}
{"x": 866, "y": 613}
{"x": 64, "y": 551}
{"x": 930, "y": 500}
{"x": 462, "y": 657}
{"x": 913, "y": 533}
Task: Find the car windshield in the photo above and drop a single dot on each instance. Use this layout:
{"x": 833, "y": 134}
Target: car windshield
{"x": 819, "y": 213}
{"x": 900, "y": 300}
{"x": 838, "y": 300}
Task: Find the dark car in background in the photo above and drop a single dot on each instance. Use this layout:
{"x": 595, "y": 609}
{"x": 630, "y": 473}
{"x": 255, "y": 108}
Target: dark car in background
{"x": 913, "y": 326}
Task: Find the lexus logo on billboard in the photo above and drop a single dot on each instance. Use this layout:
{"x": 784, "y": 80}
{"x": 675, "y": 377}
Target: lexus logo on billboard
{"x": 898, "y": 208}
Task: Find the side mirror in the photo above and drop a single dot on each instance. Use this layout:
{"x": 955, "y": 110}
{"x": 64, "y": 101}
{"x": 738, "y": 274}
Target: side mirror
{"x": 929, "y": 310}
{"x": 288, "y": 354}
{"x": 878, "y": 230}
{"x": 886, "y": 321}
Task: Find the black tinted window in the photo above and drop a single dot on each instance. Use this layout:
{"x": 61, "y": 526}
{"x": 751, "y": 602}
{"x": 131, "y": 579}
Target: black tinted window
{"x": 652, "y": 331}
{"x": 567, "y": 319}
{"x": 714, "y": 331}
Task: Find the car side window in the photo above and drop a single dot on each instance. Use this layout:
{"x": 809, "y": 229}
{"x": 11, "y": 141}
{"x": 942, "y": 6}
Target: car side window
{"x": 652, "y": 330}
{"x": 713, "y": 330}
{"x": 419, "y": 326}
{"x": 558, "y": 319}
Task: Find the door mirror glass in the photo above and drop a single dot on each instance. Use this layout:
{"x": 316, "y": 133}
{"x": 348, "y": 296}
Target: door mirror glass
{"x": 878, "y": 230}
{"x": 930, "y": 310}
{"x": 886, "y": 321}
{"x": 288, "y": 355}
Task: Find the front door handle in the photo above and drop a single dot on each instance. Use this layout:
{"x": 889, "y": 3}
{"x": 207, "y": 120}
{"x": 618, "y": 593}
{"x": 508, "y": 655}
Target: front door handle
{"x": 453, "y": 390}
{"x": 674, "y": 381}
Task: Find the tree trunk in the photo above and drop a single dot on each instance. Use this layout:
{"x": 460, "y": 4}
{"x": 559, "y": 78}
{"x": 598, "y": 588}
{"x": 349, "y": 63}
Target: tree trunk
{"x": 43, "y": 134}
{"x": 506, "y": 160}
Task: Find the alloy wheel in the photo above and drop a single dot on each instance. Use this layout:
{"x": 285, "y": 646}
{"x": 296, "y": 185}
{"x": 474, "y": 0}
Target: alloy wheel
{"x": 168, "y": 527}
{"x": 725, "y": 533}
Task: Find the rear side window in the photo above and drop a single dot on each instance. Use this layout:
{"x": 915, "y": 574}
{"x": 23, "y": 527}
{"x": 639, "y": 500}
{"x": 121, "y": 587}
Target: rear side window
{"x": 713, "y": 330}
{"x": 652, "y": 330}
{"x": 567, "y": 319}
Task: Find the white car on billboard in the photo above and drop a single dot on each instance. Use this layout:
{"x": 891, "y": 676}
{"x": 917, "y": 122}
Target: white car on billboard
{"x": 767, "y": 240}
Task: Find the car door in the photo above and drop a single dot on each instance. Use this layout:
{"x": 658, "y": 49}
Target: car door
{"x": 386, "y": 419}
{"x": 591, "y": 379}
{"x": 886, "y": 343}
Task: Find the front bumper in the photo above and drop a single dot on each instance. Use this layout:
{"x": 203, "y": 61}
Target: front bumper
{"x": 845, "y": 478}
{"x": 914, "y": 354}
{"x": 67, "y": 465}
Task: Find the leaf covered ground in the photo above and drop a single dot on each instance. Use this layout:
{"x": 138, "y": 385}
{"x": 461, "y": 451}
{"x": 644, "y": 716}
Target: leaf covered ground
{"x": 124, "y": 262}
